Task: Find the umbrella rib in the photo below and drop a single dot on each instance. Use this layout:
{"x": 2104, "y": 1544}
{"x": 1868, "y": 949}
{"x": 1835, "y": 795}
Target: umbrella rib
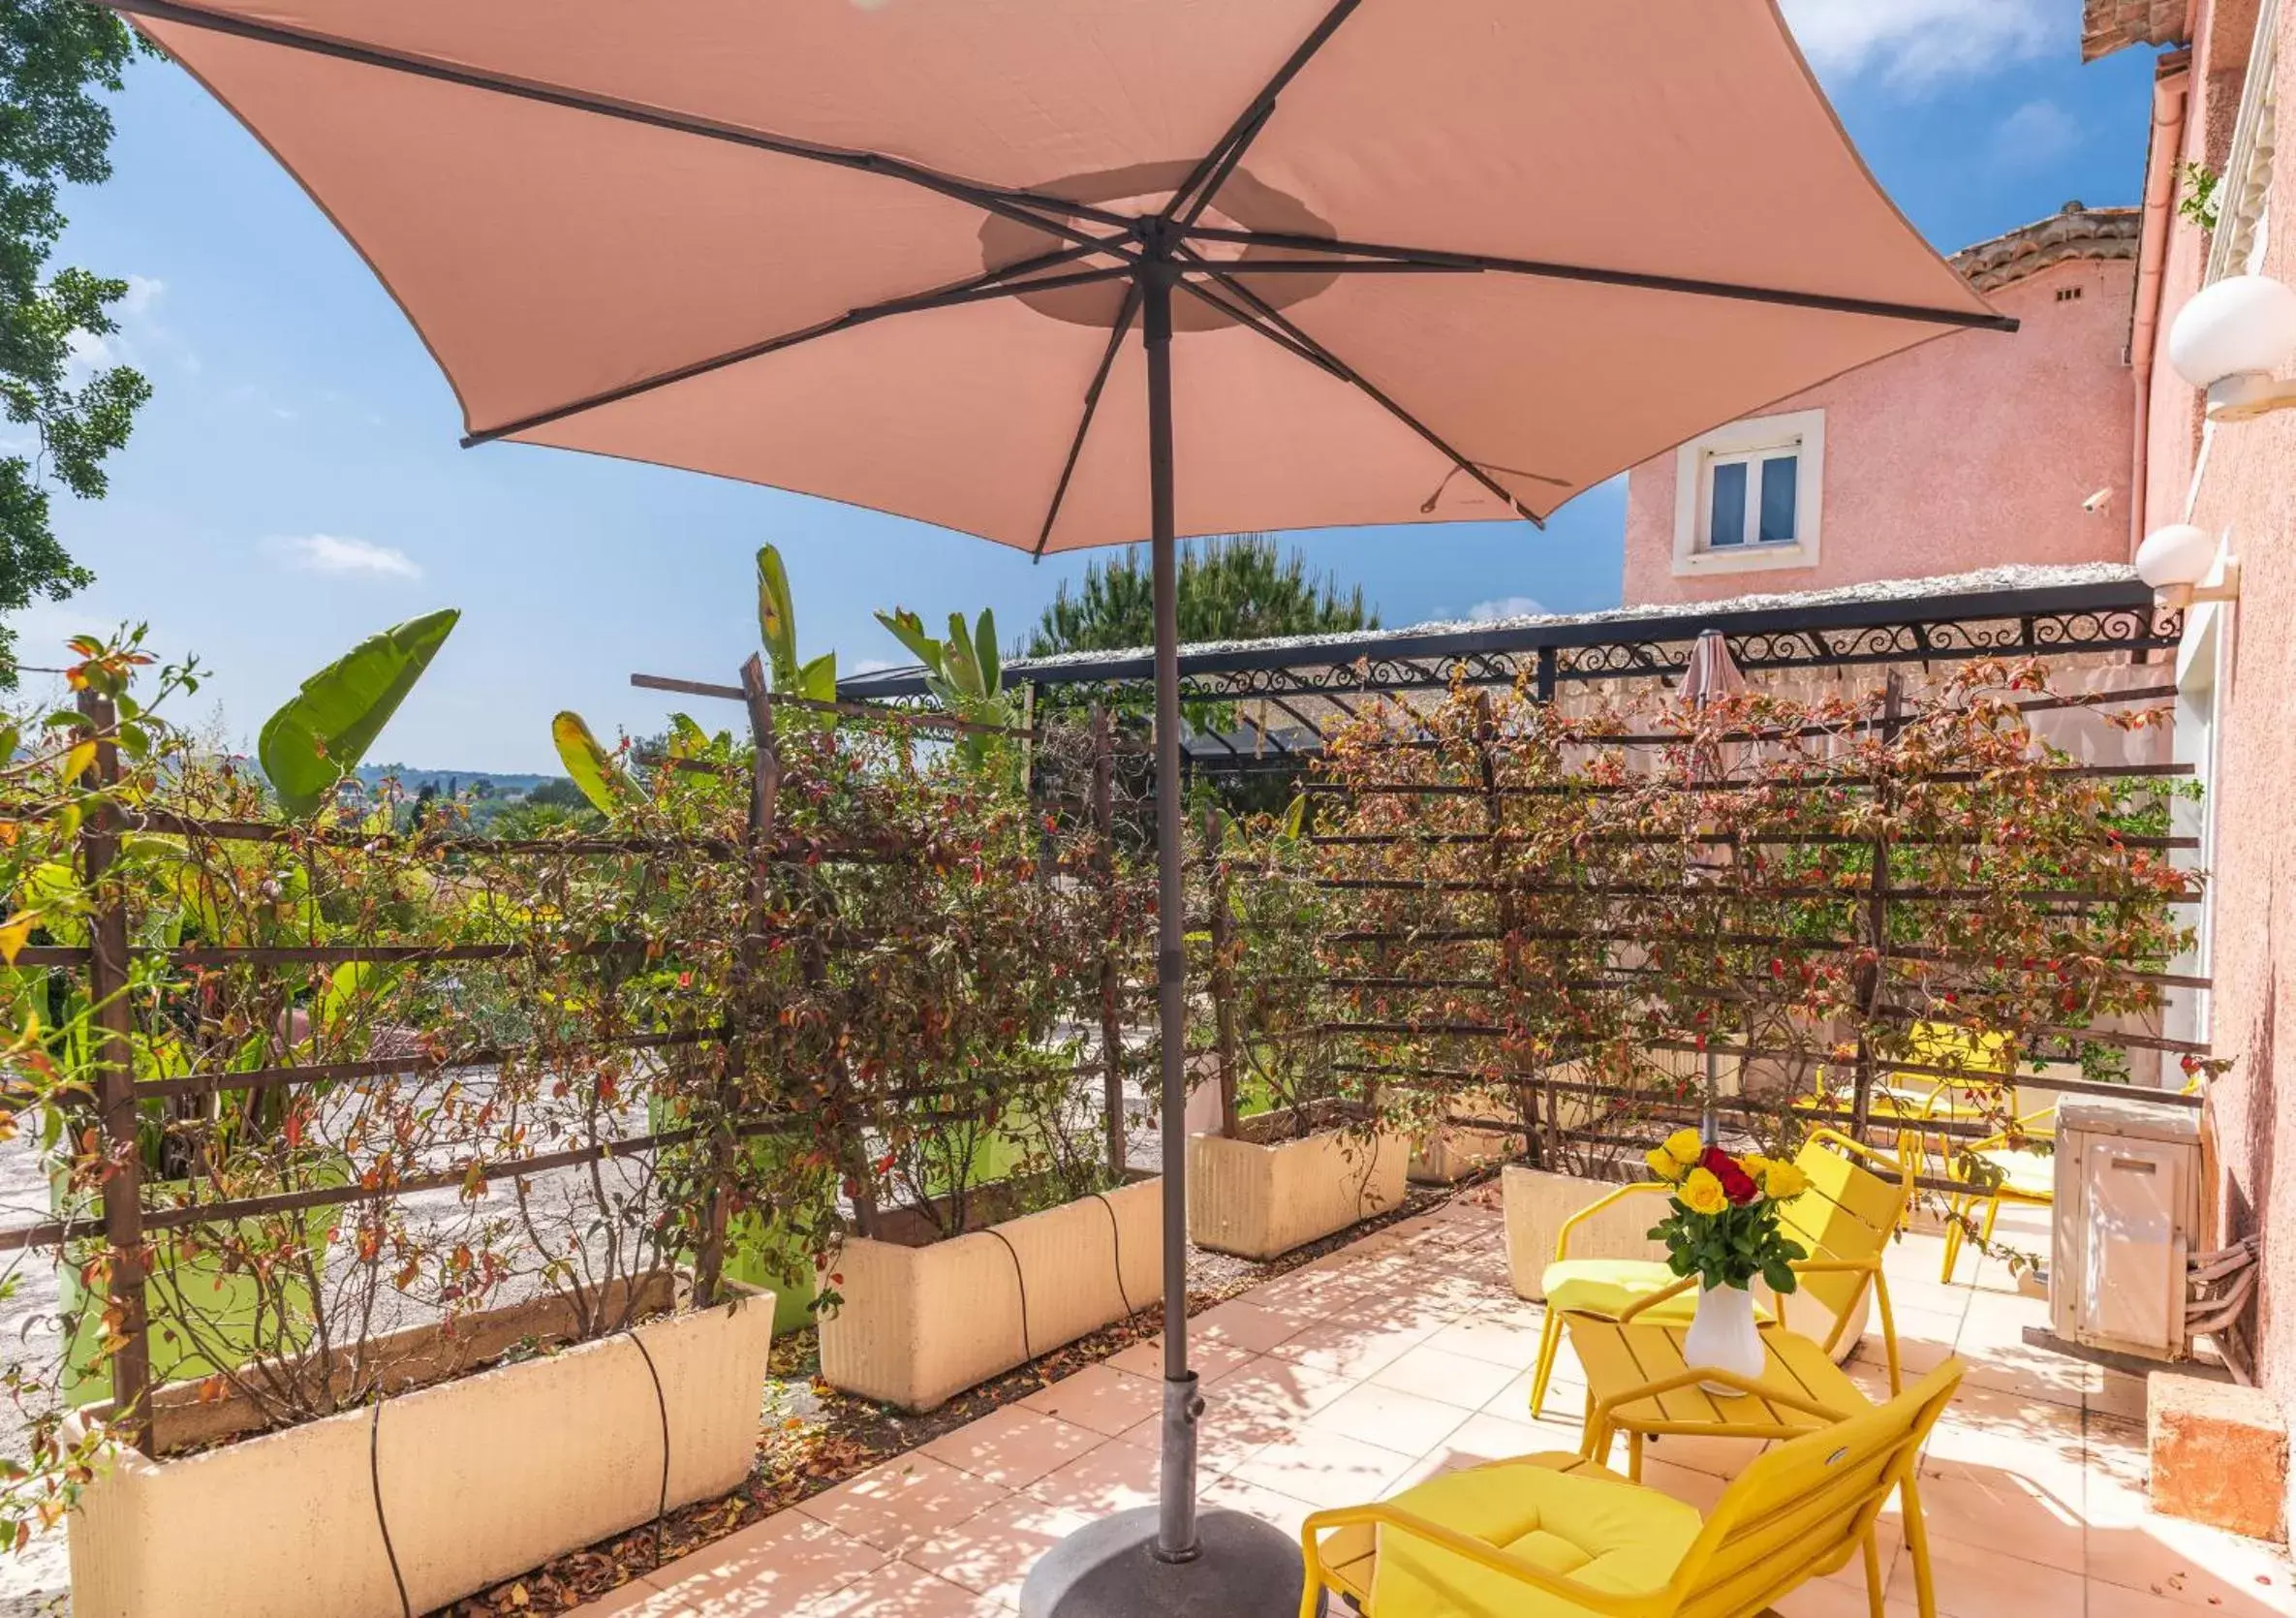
{"x": 1220, "y": 170}
{"x": 1431, "y": 257}
{"x": 978, "y": 289}
{"x": 1091, "y": 404}
{"x": 1050, "y": 214}
{"x": 1223, "y": 158}
{"x": 1299, "y": 340}
{"x": 1245, "y": 317}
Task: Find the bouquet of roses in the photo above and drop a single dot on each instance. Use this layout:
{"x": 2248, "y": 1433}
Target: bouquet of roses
{"x": 1721, "y": 1224}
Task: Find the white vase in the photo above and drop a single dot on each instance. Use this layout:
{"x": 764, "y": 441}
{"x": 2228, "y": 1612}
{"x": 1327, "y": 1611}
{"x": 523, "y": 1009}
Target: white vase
{"x": 1724, "y": 1337}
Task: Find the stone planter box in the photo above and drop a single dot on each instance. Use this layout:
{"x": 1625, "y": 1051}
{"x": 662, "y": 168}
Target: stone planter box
{"x": 920, "y": 1325}
{"x": 1451, "y": 1153}
{"x": 1257, "y": 1202}
{"x": 477, "y": 1478}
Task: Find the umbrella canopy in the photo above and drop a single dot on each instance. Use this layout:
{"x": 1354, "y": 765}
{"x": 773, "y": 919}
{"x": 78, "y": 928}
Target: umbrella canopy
{"x": 878, "y": 250}
{"x": 1387, "y": 261}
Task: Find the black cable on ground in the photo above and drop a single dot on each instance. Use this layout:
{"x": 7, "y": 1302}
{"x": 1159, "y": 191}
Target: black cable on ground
{"x": 1027, "y": 1349}
{"x": 662, "y": 1409}
{"x": 375, "y": 1483}
{"x": 1116, "y": 1235}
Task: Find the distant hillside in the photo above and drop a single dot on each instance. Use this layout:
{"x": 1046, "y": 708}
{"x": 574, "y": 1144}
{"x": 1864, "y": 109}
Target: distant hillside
{"x": 412, "y": 779}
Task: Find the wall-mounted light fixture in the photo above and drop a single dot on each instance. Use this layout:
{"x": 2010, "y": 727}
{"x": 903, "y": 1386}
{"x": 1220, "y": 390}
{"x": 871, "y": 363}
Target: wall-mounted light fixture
{"x": 2184, "y": 563}
{"x": 2229, "y": 339}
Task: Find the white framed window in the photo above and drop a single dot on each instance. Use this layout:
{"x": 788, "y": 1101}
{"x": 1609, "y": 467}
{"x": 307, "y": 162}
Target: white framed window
{"x": 1747, "y": 496}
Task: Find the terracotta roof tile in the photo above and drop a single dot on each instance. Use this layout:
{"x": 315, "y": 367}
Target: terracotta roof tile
{"x": 2108, "y": 25}
{"x": 2074, "y": 232}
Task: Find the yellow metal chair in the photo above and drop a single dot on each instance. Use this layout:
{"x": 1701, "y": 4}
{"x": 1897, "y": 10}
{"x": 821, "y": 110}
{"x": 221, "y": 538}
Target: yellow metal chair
{"x": 1843, "y": 1220}
{"x": 1980, "y": 1069}
{"x": 1999, "y": 1170}
{"x": 1550, "y": 1536}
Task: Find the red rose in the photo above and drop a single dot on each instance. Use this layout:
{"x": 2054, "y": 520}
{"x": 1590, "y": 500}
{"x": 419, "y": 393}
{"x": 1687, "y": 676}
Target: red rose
{"x": 1737, "y": 1185}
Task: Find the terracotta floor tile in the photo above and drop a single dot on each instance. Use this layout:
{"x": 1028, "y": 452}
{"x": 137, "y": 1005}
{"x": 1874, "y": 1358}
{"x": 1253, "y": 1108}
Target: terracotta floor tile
{"x": 1455, "y": 1378}
{"x": 1973, "y": 1582}
{"x": 1719, "y": 1457}
{"x": 1012, "y": 1447}
{"x": 1100, "y": 1397}
{"x": 2182, "y": 1561}
{"x": 1114, "y": 1478}
{"x": 638, "y": 1599}
{"x": 1348, "y": 1350}
{"x": 1211, "y": 1362}
{"x": 1326, "y": 1469}
{"x": 2032, "y": 1482}
{"x": 1390, "y": 1419}
{"x": 2001, "y": 1511}
{"x": 1503, "y": 1339}
{"x": 903, "y": 1503}
{"x": 1691, "y": 1487}
{"x": 1275, "y": 1385}
{"x": 1830, "y": 1598}
{"x": 765, "y": 1571}
{"x": 1485, "y": 1436}
{"x": 991, "y": 1554}
{"x": 1254, "y": 1327}
{"x": 899, "y": 1590}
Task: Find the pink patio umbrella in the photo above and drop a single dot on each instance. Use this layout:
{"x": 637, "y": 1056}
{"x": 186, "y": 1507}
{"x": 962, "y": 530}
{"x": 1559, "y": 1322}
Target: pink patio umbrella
{"x": 1387, "y": 261}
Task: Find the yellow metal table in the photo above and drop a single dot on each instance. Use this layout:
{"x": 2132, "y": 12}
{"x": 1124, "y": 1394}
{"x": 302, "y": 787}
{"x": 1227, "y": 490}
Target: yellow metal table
{"x": 1638, "y": 1383}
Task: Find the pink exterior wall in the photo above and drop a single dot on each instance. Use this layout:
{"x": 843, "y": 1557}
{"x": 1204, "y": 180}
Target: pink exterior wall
{"x": 1969, "y": 452}
{"x": 2249, "y": 487}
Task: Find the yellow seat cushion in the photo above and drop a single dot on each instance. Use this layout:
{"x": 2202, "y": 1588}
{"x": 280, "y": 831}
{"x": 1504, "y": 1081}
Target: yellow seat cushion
{"x": 1598, "y": 1530}
{"x": 1607, "y": 1286}
{"x": 2028, "y": 1174}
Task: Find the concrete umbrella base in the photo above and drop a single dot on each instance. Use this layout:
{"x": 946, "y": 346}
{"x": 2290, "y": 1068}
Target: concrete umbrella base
{"x": 1244, "y": 1568}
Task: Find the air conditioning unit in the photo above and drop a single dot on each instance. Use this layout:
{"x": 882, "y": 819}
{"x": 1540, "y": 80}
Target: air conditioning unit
{"x": 2128, "y": 1193}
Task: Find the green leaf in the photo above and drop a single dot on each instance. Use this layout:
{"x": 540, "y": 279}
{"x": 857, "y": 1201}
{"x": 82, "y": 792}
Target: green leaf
{"x": 588, "y": 765}
{"x": 984, "y": 654}
{"x": 817, "y": 680}
{"x": 320, "y": 736}
{"x": 909, "y": 629}
{"x": 777, "y": 618}
{"x": 963, "y": 669}
{"x": 687, "y": 739}
{"x": 1780, "y": 1276}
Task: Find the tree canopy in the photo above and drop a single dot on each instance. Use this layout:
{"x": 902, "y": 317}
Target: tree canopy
{"x": 54, "y": 56}
{"x": 1239, "y": 588}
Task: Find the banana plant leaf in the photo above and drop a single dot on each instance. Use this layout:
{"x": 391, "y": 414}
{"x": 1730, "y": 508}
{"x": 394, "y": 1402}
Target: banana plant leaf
{"x": 324, "y": 731}
{"x": 588, "y": 765}
{"x": 777, "y": 619}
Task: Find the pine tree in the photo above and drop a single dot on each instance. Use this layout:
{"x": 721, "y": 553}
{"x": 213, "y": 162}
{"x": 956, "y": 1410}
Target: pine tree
{"x": 1239, "y": 588}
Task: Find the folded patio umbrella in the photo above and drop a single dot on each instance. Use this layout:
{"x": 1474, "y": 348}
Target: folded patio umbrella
{"x": 1076, "y": 272}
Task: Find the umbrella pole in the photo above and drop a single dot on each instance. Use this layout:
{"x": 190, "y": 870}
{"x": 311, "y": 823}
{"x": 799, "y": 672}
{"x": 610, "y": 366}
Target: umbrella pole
{"x": 1163, "y": 1561}
{"x": 1176, "y": 1538}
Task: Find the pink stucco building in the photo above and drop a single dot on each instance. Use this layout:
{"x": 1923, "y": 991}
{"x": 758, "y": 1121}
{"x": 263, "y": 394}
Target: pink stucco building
{"x": 1966, "y": 453}
{"x": 2214, "y": 95}
{"x": 2071, "y": 441}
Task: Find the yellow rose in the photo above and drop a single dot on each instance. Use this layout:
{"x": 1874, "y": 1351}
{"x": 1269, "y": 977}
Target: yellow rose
{"x": 1685, "y": 1147}
{"x": 1663, "y": 1165}
{"x": 1702, "y": 1194}
{"x": 1783, "y": 1181}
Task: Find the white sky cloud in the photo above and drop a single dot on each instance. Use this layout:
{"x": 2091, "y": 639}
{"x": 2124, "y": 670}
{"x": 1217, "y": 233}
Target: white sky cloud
{"x": 1506, "y": 607}
{"x": 2036, "y": 135}
{"x": 143, "y": 291}
{"x": 1916, "y": 42}
{"x": 345, "y": 557}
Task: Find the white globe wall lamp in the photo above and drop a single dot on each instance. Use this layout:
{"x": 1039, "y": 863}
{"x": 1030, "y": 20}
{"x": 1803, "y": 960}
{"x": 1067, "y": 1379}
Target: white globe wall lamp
{"x": 2230, "y": 339}
{"x": 2184, "y": 563}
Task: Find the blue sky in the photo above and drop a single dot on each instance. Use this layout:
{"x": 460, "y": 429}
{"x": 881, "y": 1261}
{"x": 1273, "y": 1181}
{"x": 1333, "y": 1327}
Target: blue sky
{"x": 295, "y": 483}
